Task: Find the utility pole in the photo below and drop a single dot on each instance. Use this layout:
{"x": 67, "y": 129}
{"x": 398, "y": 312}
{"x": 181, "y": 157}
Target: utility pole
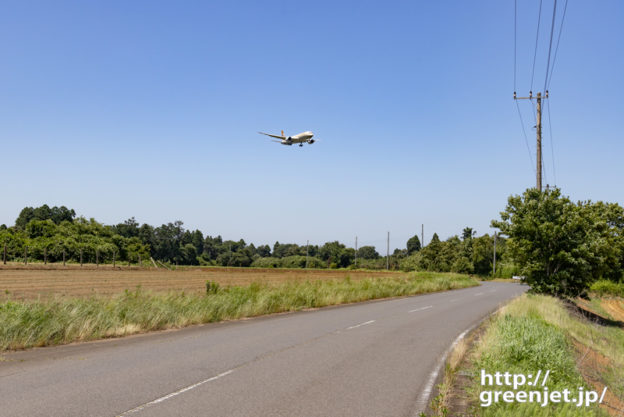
{"x": 356, "y": 251}
{"x": 494, "y": 263}
{"x": 388, "y": 252}
{"x": 307, "y": 252}
{"x": 538, "y": 129}
{"x": 422, "y": 235}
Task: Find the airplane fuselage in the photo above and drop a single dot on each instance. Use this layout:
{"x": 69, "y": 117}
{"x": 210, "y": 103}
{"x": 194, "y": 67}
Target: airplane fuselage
{"x": 300, "y": 138}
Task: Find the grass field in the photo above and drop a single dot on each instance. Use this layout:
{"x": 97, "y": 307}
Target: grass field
{"x": 65, "y": 319}
{"x": 18, "y": 281}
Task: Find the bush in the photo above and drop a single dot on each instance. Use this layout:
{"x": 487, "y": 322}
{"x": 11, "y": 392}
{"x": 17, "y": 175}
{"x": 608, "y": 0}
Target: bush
{"x": 604, "y": 287}
{"x": 268, "y": 262}
{"x": 212, "y": 287}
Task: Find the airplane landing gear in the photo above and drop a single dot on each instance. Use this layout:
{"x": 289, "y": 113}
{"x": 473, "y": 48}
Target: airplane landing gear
{"x": 301, "y": 145}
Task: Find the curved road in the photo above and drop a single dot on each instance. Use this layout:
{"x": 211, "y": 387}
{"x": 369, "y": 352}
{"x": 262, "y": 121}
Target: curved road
{"x": 367, "y": 359}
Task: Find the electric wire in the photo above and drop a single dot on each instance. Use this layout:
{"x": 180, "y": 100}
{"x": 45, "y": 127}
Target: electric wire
{"x": 552, "y": 31}
{"x": 539, "y": 19}
{"x": 552, "y": 150}
{"x": 565, "y": 8}
{"x": 515, "y": 40}
{"x": 526, "y": 140}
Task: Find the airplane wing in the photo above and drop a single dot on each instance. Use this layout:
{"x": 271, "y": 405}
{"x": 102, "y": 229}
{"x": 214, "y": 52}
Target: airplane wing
{"x": 273, "y": 136}
{"x": 278, "y": 141}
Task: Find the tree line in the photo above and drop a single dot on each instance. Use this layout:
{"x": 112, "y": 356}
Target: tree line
{"x": 54, "y": 234}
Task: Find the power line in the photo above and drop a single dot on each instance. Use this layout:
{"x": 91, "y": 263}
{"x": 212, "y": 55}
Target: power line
{"x": 539, "y": 19}
{"x": 552, "y": 151}
{"x": 552, "y": 31}
{"x": 565, "y": 8}
{"x": 526, "y": 140}
{"x": 515, "y": 39}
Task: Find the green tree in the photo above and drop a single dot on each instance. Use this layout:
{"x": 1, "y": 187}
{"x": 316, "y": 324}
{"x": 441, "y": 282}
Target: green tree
{"x": 367, "y": 252}
{"x": 468, "y": 233}
{"x": 413, "y": 245}
{"x": 561, "y": 247}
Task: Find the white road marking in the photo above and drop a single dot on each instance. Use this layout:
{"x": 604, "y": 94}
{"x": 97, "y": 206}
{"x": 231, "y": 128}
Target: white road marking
{"x": 361, "y": 324}
{"x": 453, "y": 300}
{"x": 419, "y": 309}
{"x": 479, "y": 293}
{"x": 173, "y": 394}
{"x": 423, "y": 399}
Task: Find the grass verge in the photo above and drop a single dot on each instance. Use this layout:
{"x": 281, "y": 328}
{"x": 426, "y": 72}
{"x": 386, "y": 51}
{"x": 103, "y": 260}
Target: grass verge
{"x": 540, "y": 333}
{"x": 26, "y": 324}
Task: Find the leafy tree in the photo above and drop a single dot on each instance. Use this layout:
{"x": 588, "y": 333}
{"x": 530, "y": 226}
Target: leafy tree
{"x": 264, "y": 251}
{"x": 468, "y": 233}
{"x": 561, "y": 247}
{"x": 367, "y": 252}
{"x": 413, "y": 245}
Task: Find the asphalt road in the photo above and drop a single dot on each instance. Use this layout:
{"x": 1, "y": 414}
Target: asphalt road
{"x": 367, "y": 359}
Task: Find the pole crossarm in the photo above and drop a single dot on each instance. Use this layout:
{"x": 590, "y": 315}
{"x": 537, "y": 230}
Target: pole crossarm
{"x": 530, "y": 97}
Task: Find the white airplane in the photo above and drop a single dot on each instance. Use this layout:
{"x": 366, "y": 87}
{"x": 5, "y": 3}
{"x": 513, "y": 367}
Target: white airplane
{"x": 300, "y": 138}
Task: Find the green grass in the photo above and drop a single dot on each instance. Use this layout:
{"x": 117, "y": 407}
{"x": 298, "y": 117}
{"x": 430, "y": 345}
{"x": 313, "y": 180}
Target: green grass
{"x": 535, "y": 332}
{"x": 604, "y": 287}
{"x": 26, "y": 324}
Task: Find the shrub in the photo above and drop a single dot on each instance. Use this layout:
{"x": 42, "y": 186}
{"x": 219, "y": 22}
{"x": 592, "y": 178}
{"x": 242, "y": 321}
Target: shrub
{"x": 212, "y": 287}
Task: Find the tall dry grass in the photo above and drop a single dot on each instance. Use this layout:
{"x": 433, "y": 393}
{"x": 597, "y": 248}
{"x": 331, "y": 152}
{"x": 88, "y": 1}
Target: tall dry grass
{"x": 26, "y": 324}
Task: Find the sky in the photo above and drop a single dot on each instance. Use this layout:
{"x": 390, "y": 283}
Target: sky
{"x": 151, "y": 109}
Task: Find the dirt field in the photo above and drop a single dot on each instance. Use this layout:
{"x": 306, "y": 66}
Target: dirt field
{"x": 38, "y": 280}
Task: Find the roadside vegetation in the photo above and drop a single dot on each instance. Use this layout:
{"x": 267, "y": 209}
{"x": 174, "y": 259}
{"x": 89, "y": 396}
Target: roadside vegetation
{"x": 26, "y": 324}
{"x": 572, "y": 321}
{"x": 537, "y": 332}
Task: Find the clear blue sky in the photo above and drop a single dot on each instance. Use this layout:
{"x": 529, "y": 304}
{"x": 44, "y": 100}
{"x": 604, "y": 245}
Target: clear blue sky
{"x": 151, "y": 108}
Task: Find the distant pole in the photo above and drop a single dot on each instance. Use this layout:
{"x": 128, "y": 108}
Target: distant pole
{"x": 388, "y": 252}
{"x": 140, "y": 262}
{"x": 307, "y": 252}
{"x": 422, "y": 235}
{"x": 25, "y": 255}
{"x": 494, "y": 263}
{"x": 45, "y": 255}
{"x": 97, "y": 258}
{"x": 63, "y": 257}
{"x": 114, "y": 253}
{"x": 356, "y": 251}
{"x": 81, "y": 257}
{"x": 5, "y": 254}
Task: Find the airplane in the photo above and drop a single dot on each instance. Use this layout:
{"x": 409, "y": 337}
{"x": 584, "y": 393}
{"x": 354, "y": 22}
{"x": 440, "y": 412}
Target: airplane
{"x": 300, "y": 138}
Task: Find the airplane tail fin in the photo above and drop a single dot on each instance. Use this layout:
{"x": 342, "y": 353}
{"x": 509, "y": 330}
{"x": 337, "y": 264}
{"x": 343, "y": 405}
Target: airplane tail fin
{"x": 282, "y": 133}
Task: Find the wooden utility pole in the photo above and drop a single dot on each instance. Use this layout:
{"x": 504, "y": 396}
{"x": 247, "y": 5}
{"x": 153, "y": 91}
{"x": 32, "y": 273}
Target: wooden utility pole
{"x": 388, "y": 252}
{"x": 63, "y": 257}
{"x": 307, "y": 252}
{"x": 25, "y": 255}
{"x": 356, "y": 251}
{"x": 538, "y": 129}
{"x": 45, "y": 255}
{"x": 81, "y": 257}
{"x": 494, "y": 263}
{"x": 4, "y": 256}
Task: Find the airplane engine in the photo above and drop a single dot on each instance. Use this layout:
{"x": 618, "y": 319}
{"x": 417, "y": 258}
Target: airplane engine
{"x": 310, "y": 141}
